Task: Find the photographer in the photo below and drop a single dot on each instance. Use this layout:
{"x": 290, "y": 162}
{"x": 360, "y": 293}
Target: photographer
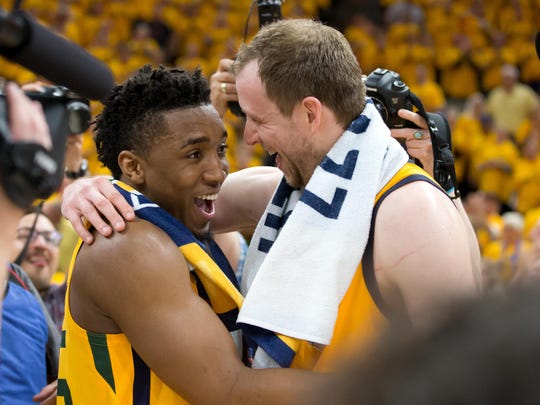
{"x": 27, "y": 124}
{"x": 22, "y": 354}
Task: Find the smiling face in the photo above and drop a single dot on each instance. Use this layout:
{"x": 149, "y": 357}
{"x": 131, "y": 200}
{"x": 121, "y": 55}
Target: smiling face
{"x": 41, "y": 259}
{"x": 184, "y": 169}
{"x": 285, "y": 137}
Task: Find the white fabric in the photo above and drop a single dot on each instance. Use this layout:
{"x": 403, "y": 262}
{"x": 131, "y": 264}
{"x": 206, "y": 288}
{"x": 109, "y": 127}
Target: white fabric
{"x": 295, "y": 289}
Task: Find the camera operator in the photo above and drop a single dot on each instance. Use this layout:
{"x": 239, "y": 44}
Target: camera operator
{"x": 21, "y": 379}
{"x": 27, "y": 124}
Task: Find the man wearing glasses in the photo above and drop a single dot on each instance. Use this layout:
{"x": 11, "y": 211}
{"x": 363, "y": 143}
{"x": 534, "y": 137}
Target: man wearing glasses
{"x": 30, "y": 338}
{"x": 39, "y": 259}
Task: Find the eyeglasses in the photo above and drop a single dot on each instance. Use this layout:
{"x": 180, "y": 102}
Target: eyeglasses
{"x": 53, "y": 238}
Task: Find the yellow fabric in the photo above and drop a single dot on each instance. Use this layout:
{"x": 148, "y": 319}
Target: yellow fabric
{"x": 526, "y": 184}
{"x": 467, "y": 137}
{"x": 493, "y": 179}
{"x": 509, "y": 109}
{"x": 507, "y": 257}
{"x": 100, "y": 368}
{"x": 431, "y": 95}
{"x": 359, "y": 319}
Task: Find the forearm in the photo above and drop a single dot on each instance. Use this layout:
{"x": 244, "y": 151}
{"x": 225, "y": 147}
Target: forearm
{"x": 276, "y": 386}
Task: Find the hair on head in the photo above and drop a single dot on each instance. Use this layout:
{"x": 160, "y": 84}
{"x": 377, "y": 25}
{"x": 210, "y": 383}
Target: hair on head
{"x": 132, "y": 117}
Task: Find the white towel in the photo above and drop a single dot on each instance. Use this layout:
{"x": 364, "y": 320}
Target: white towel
{"x": 295, "y": 288}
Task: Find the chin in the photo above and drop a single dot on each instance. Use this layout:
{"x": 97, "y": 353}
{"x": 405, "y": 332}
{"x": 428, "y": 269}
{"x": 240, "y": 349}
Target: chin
{"x": 203, "y": 233}
{"x": 293, "y": 182}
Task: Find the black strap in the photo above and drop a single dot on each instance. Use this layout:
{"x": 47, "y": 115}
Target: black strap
{"x": 444, "y": 171}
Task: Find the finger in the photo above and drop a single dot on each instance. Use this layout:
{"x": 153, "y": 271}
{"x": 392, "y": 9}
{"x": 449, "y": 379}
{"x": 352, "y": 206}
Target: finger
{"x": 40, "y": 131}
{"x": 101, "y": 212}
{"x": 45, "y": 392}
{"x": 225, "y": 65}
{"x": 401, "y": 133}
{"x": 26, "y": 117}
{"x": 35, "y": 86}
{"x": 91, "y": 198}
{"x": 122, "y": 209}
{"x": 79, "y": 227}
{"x": 413, "y": 117}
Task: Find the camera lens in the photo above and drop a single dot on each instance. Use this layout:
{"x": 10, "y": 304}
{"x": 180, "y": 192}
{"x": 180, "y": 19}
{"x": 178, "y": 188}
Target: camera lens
{"x": 79, "y": 117}
{"x": 381, "y": 108}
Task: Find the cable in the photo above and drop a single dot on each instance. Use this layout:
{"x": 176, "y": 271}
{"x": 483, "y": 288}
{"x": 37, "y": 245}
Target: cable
{"x": 24, "y": 250}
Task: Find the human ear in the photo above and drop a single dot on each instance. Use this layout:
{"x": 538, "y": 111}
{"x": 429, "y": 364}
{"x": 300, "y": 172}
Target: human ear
{"x": 312, "y": 108}
{"x": 131, "y": 166}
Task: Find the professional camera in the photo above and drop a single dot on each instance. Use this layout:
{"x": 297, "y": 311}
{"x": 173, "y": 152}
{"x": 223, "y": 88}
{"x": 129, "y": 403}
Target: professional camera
{"x": 390, "y": 94}
{"x": 29, "y": 171}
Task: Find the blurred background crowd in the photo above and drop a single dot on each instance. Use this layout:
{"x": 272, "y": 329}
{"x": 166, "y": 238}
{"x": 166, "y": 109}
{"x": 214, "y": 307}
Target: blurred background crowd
{"x": 473, "y": 60}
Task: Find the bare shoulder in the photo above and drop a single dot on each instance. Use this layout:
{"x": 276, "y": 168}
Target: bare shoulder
{"x": 118, "y": 274}
{"x": 419, "y": 206}
{"x": 125, "y": 250}
{"x": 421, "y": 251}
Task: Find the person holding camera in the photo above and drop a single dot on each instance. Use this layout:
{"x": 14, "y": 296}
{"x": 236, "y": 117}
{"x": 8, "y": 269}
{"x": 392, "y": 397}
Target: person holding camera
{"x": 25, "y": 127}
{"x": 321, "y": 249}
{"x": 22, "y": 355}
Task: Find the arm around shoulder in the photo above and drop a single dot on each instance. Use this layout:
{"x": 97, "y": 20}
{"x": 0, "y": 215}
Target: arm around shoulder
{"x": 150, "y": 299}
{"x": 243, "y": 198}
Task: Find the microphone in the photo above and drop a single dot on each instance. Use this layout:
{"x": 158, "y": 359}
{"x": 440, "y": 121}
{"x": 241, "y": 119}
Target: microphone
{"x": 63, "y": 62}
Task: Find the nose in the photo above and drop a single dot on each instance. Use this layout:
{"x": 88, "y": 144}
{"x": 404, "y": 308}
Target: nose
{"x": 250, "y": 134}
{"x": 216, "y": 170}
{"x": 38, "y": 239}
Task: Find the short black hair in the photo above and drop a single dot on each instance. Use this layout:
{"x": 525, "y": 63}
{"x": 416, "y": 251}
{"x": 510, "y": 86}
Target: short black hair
{"x": 132, "y": 117}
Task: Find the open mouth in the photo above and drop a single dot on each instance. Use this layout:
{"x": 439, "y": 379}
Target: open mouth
{"x": 205, "y": 204}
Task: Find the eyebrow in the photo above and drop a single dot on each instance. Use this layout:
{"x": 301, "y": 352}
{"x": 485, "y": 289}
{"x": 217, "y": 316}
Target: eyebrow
{"x": 194, "y": 141}
{"x": 200, "y": 139}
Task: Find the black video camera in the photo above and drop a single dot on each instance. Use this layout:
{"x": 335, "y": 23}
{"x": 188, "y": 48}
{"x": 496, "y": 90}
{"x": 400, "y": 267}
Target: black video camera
{"x": 389, "y": 94}
{"x": 28, "y": 171}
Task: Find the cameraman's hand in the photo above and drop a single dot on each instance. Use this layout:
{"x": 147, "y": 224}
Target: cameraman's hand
{"x": 418, "y": 148}
{"x": 26, "y": 118}
{"x": 223, "y": 87}
{"x": 89, "y": 198}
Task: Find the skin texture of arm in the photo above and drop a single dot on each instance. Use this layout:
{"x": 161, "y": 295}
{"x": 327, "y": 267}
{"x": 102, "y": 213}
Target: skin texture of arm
{"x": 422, "y": 150}
{"x": 426, "y": 265}
{"x": 147, "y": 299}
{"x": 243, "y": 198}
